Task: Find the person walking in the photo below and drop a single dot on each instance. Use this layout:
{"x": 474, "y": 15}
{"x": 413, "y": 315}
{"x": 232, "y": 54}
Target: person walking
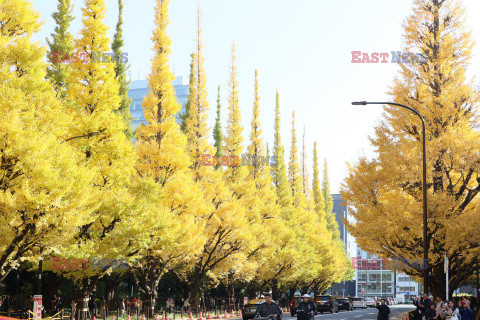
{"x": 186, "y": 305}
{"x": 383, "y": 311}
{"x": 306, "y": 309}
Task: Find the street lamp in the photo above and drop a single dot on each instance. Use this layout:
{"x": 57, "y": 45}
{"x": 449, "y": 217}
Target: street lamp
{"x": 424, "y": 187}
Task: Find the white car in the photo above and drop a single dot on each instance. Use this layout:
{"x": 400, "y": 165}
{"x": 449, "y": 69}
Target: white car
{"x": 370, "y": 302}
{"x": 359, "y": 303}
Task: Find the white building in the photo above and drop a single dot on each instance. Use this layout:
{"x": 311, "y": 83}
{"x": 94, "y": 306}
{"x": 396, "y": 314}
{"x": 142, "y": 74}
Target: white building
{"x": 372, "y": 278}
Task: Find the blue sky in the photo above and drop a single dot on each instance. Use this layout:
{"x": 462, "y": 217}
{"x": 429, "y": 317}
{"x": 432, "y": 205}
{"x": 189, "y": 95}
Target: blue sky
{"x": 302, "y": 48}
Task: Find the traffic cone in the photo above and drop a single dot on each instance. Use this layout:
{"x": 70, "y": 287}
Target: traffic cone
{"x": 217, "y": 316}
{"x": 128, "y": 317}
{"x": 209, "y": 316}
{"x": 233, "y": 314}
{"x": 225, "y": 314}
{"x": 240, "y": 313}
{"x": 113, "y": 318}
{"x": 166, "y": 315}
{"x": 156, "y": 316}
{"x": 94, "y": 318}
{"x": 191, "y": 316}
{"x": 143, "y": 316}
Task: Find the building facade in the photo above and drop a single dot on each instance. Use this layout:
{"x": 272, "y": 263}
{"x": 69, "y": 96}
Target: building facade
{"x": 139, "y": 90}
{"x": 372, "y": 278}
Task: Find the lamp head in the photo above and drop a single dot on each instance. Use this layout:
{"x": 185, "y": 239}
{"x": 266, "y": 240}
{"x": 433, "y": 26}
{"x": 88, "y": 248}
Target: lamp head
{"x": 359, "y": 103}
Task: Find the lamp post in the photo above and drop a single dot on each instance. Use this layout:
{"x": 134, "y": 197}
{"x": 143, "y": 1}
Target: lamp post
{"x": 424, "y": 187}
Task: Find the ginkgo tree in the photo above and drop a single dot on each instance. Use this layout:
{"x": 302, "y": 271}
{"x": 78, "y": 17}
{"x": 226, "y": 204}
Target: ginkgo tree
{"x": 388, "y": 187}
{"x": 163, "y": 157}
{"x": 45, "y": 190}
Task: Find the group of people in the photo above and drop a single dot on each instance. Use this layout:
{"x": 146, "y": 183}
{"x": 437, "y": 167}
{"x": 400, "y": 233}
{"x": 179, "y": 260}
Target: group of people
{"x": 426, "y": 309}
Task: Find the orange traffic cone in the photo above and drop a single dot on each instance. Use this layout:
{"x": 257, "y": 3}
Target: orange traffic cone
{"x": 166, "y": 316}
{"x": 191, "y": 316}
{"x": 156, "y": 316}
{"x": 233, "y": 314}
{"x": 94, "y": 318}
{"x": 113, "y": 318}
{"x": 209, "y": 316}
{"x": 201, "y": 316}
{"x": 225, "y": 314}
{"x": 217, "y": 316}
{"x": 143, "y": 316}
{"x": 240, "y": 313}
{"x": 128, "y": 317}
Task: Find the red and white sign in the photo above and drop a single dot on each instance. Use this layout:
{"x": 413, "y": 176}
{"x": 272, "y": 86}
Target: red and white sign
{"x": 37, "y": 307}
{"x": 245, "y": 300}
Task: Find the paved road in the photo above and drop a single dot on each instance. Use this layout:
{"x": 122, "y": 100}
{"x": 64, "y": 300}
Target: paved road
{"x": 358, "y": 314}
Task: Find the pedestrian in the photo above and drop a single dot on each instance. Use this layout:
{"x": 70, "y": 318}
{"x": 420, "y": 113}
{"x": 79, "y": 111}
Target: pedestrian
{"x": 383, "y": 311}
{"x": 439, "y": 305}
{"x": 306, "y": 309}
{"x": 465, "y": 312}
{"x": 73, "y": 305}
{"x": 451, "y": 311}
{"x": 53, "y": 305}
{"x": 186, "y": 305}
{"x": 431, "y": 313}
{"x": 170, "y": 304}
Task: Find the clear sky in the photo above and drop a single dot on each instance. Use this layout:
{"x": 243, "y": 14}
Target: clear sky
{"x": 302, "y": 48}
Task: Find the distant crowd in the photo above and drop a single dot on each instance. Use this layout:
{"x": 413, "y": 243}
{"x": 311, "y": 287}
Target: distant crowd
{"x": 465, "y": 308}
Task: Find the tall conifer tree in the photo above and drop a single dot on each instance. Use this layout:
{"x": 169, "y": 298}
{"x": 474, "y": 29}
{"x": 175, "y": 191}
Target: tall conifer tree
{"x": 120, "y": 73}
{"x": 163, "y": 157}
{"x": 279, "y": 173}
{"x": 61, "y": 47}
{"x": 217, "y": 131}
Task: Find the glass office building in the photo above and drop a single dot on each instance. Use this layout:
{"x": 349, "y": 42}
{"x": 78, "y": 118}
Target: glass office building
{"x": 139, "y": 89}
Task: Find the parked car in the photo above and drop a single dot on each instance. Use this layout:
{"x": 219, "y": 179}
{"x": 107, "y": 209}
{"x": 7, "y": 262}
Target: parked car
{"x": 326, "y": 303}
{"x": 249, "y": 310}
{"x": 370, "y": 302}
{"x": 294, "y": 304}
{"x": 345, "y": 304}
{"x": 359, "y": 303}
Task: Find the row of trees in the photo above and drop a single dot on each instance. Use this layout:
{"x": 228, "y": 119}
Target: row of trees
{"x": 74, "y": 186}
{"x": 386, "y": 190}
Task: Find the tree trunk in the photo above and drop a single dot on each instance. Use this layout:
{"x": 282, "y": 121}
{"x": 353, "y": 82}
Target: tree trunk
{"x": 275, "y": 290}
{"x": 52, "y": 282}
{"x": 111, "y": 283}
{"x": 84, "y": 288}
{"x": 196, "y": 288}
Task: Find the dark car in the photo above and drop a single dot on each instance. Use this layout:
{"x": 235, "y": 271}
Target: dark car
{"x": 345, "y": 304}
{"x": 250, "y": 309}
{"x": 326, "y": 303}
